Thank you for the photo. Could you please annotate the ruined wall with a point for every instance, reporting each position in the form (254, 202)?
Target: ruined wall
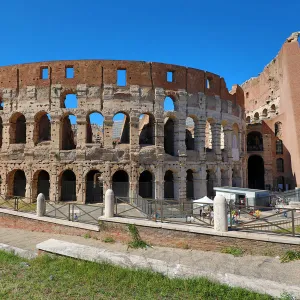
(197, 94)
(274, 96)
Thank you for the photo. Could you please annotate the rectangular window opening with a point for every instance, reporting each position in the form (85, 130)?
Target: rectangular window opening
(170, 76)
(69, 72)
(121, 77)
(44, 73)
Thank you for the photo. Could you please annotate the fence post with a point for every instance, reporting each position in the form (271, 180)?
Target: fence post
(220, 214)
(109, 204)
(293, 222)
(40, 205)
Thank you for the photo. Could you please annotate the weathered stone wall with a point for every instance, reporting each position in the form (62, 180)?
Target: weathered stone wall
(274, 97)
(195, 93)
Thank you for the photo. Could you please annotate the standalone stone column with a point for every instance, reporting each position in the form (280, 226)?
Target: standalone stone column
(109, 204)
(40, 205)
(220, 214)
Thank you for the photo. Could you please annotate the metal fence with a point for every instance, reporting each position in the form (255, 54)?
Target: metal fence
(18, 203)
(264, 219)
(82, 213)
(162, 210)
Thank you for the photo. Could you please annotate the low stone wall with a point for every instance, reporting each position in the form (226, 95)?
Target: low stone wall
(153, 236)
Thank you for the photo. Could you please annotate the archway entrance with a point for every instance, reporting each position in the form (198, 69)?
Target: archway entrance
(120, 183)
(94, 190)
(169, 185)
(19, 184)
(68, 186)
(146, 185)
(43, 184)
(256, 172)
(189, 184)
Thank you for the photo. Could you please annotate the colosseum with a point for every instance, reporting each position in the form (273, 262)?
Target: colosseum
(178, 133)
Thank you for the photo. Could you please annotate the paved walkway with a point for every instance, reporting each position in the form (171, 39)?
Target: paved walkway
(269, 271)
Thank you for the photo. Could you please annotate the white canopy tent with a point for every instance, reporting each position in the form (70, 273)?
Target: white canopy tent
(204, 200)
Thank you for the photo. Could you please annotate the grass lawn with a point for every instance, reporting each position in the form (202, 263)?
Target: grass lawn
(64, 278)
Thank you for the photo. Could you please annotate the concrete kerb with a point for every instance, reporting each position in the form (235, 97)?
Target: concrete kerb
(161, 266)
(18, 251)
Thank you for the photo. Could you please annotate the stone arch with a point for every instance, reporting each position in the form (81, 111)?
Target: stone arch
(69, 132)
(255, 141)
(190, 194)
(17, 129)
(69, 99)
(169, 185)
(273, 108)
(16, 183)
(94, 128)
(41, 184)
(248, 119)
(190, 133)
(146, 186)
(169, 103)
(256, 172)
(146, 129)
(68, 186)
(120, 183)
(210, 182)
(121, 128)
(169, 136)
(94, 187)
(256, 116)
(42, 127)
(265, 113)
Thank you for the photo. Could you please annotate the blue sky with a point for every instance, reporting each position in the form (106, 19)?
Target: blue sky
(234, 39)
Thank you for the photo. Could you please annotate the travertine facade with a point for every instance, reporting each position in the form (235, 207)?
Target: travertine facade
(272, 103)
(156, 156)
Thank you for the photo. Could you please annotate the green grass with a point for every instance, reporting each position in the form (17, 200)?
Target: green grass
(233, 250)
(290, 255)
(64, 278)
(108, 239)
(288, 230)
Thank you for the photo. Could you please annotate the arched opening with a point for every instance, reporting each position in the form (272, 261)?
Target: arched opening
(120, 183)
(68, 186)
(280, 183)
(256, 172)
(169, 104)
(18, 129)
(265, 113)
(146, 185)
(42, 130)
(146, 129)
(273, 108)
(69, 132)
(224, 178)
(121, 129)
(169, 185)
(279, 147)
(278, 129)
(94, 187)
(256, 116)
(70, 101)
(43, 184)
(248, 119)
(94, 128)
(19, 184)
(210, 183)
(189, 184)
(189, 134)
(255, 141)
(208, 137)
(280, 165)
(1, 104)
(169, 130)
(1, 132)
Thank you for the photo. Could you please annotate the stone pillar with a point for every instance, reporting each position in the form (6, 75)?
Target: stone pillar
(181, 117)
(5, 136)
(201, 132)
(203, 181)
(216, 139)
(230, 175)
(182, 179)
(228, 142)
(134, 182)
(197, 185)
(159, 132)
(41, 205)
(29, 134)
(55, 188)
(56, 136)
(134, 133)
(81, 133)
(159, 182)
(108, 124)
(177, 186)
(109, 204)
(220, 214)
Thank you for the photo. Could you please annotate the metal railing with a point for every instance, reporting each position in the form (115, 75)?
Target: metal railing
(162, 210)
(83, 213)
(18, 203)
(264, 219)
